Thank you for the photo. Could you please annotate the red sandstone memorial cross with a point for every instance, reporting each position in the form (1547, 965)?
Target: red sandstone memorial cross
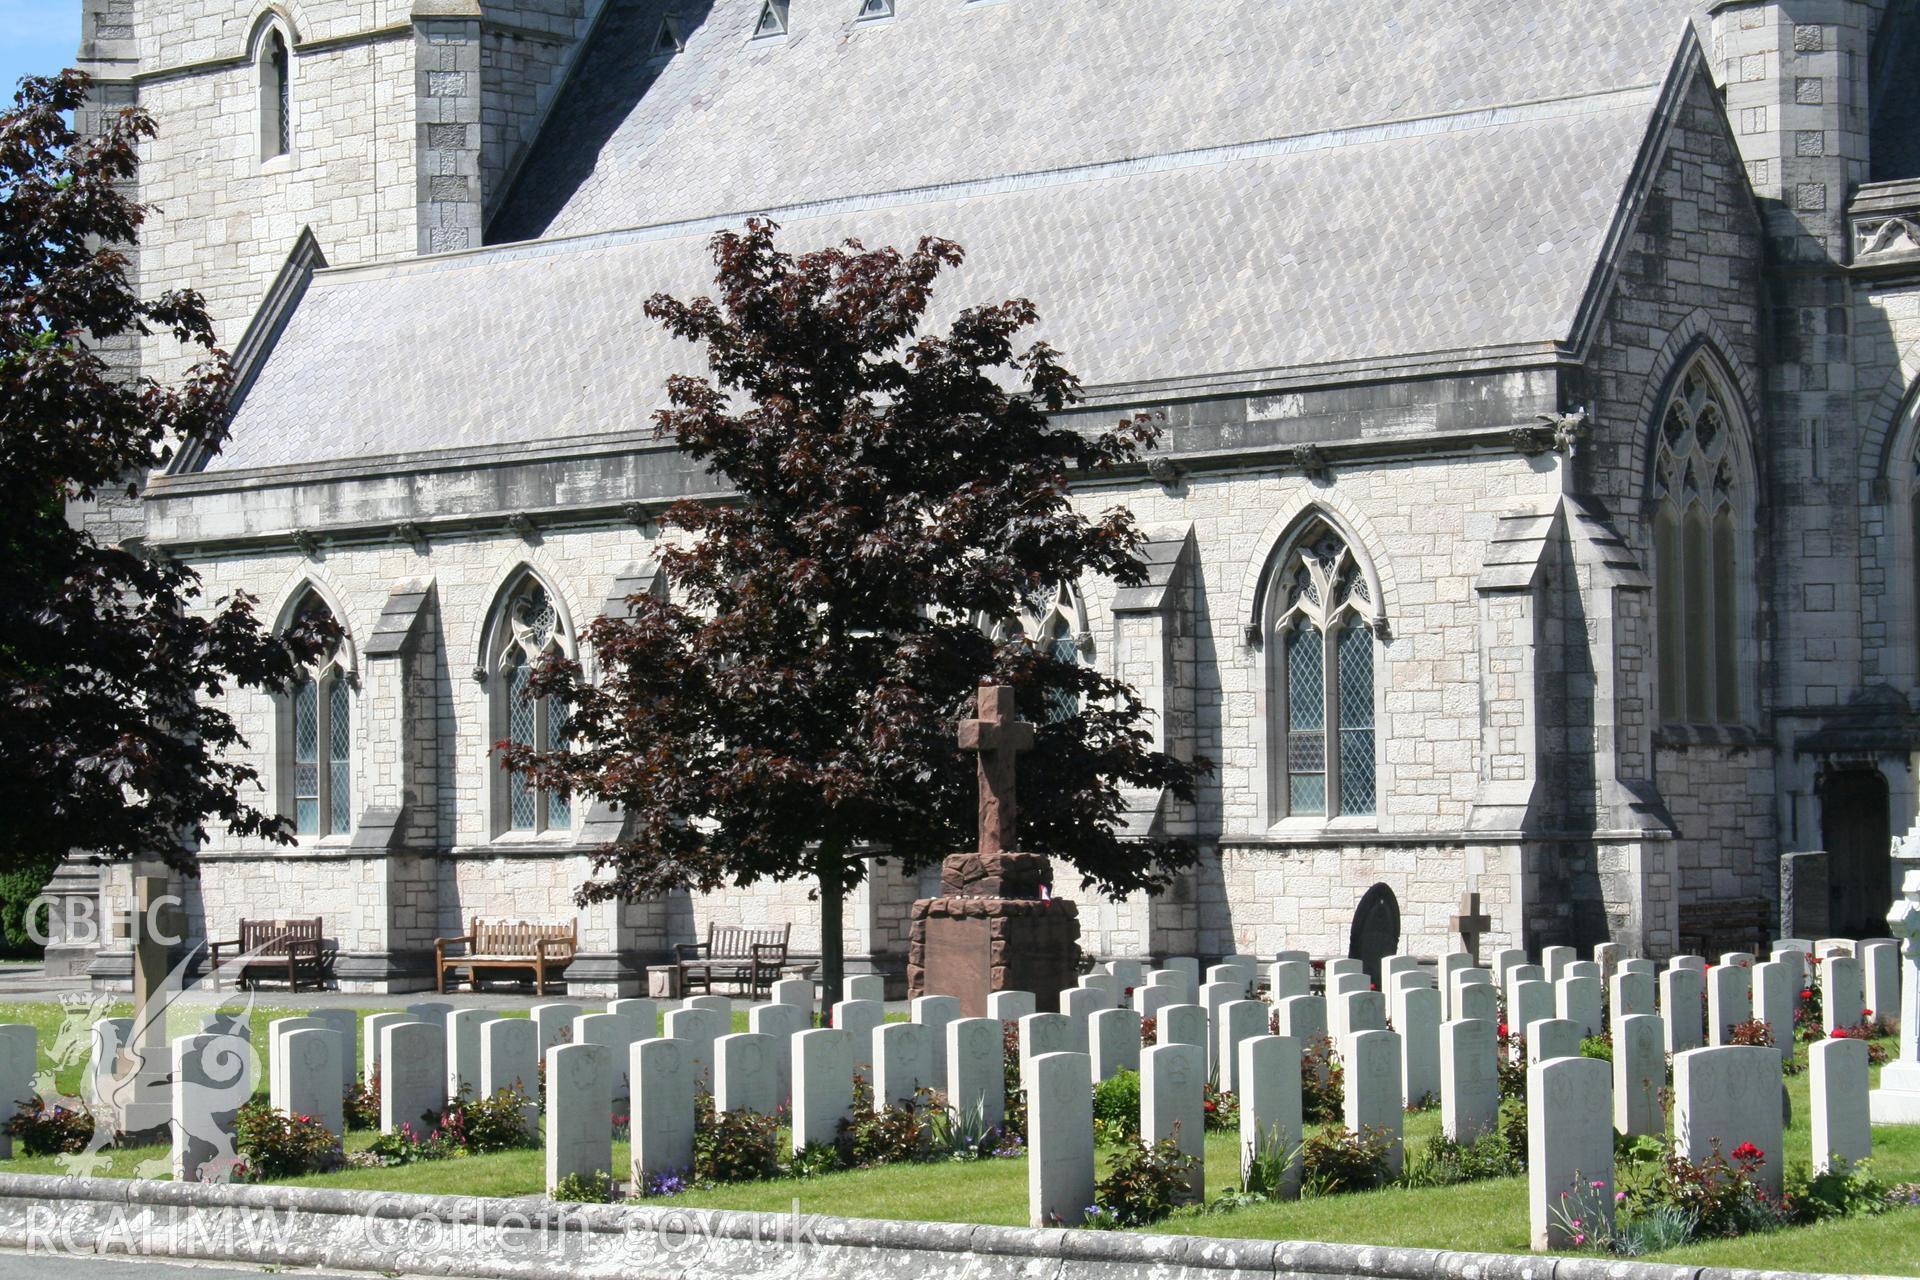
(998, 738)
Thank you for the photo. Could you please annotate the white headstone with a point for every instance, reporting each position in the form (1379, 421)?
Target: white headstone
(1304, 957)
(1880, 977)
(797, 992)
(1343, 966)
(1553, 1038)
(1113, 1042)
(1837, 1090)
(213, 1075)
(1607, 956)
(1469, 1079)
(1044, 1033)
(1078, 1006)
(1842, 996)
(1795, 961)
(277, 1030)
(866, 986)
(1639, 1074)
(1451, 963)
(1725, 1096)
(1773, 995)
(371, 1028)
(579, 1111)
(1289, 978)
(1696, 963)
(1523, 973)
(1362, 1011)
(666, 1075)
(1339, 987)
(719, 1006)
(1304, 1018)
(1681, 990)
(698, 1029)
(1580, 1000)
(510, 1060)
(1187, 967)
(413, 1075)
(1173, 1095)
(19, 1060)
(1737, 959)
(1530, 1002)
(1238, 1020)
(1215, 996)
(307, 1076)
(1130, 972)
(1148, 1001)
(106, 1037)
(976, 1069)
(463, 1050)
(1729, 1001)
(822, 1066)
(614, 1034)
(1569, 1146)
(1477, 1002)
(1226, 973)
(1395, 965)
(1059, 1139)
(1824, 947)
(858, 1018)
(1632, 992)
(1107, 985)
(744, 1076)
(1416, 1016)
(903, 1061)
(553, 1023)
(1182, 1024)
(1373, 1088)
(1505, 961)
(434, 1011)
(644, 1014)
(1010, 1006)
(1268, 1074)
(781, 1022)
(1635, 964)
(1555, 961)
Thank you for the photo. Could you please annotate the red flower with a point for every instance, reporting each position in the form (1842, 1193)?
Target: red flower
(1746, 1151)
(1212, 1106)
(1502, 1031)
(1839, 1033)
(1806, 995)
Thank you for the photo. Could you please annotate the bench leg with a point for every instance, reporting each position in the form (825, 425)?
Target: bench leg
(440, 984)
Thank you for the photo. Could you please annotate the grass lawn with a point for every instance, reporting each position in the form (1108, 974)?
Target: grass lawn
(1483, 1216)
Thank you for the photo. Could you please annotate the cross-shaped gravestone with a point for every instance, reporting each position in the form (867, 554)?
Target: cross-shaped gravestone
(1471, 924)
(998, 738)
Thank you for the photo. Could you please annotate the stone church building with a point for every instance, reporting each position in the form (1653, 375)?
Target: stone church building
(1536, 510)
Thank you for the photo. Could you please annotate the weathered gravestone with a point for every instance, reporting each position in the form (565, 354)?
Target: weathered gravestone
(510, 1063)
(797, 992)
(579, 1112)
(1373, 1089)
(212, 1078)
(371, 1028)
(1806, 895)
(19, 1060)
(1880, 977)
(305, 1077)
(1842, 996)
(1009, 1006)
(665, 1075)
(976, 1070)
(463, 1050)
(903, 1061)
(1578, 999)
(1631, 993)
(1729, 1001)
(822, 1066)
(744, 1077)
(1078, 1006)
(1555, 960)
(1239, 1020)
(413, 1074)
(1113, 1042)
(1416, 1016)
(1639, 1074)
(698, 1029)
(1724, 1097)
(781, 1023)
(1552, 1038)
(1289, 978)
(994, 927)
(553, 1023)
(858, 1018)
(865, 986)
(934, 1013)
(1569, 1147)
(615, 1034)
(1059, 1139)
(1773, 996)
(1183, 1024)
(1837, 1093)
(1268, 1073)
(1681, 990)
(1469, 1079)
(1173, 1080)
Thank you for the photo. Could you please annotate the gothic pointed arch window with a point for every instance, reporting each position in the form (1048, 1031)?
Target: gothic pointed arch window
(1699, 493)
(275, 68)
(317, 730)
(1057, 626)
(528, 629)
(1320, 641)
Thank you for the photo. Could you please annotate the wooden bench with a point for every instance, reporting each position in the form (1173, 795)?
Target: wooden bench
(546, 949)
(285, 948)
(748, 958)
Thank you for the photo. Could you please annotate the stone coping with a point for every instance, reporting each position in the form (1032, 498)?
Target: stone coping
(531, 1238)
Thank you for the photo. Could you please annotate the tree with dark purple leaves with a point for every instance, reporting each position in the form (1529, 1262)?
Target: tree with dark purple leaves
(788, 709)
(112, 739)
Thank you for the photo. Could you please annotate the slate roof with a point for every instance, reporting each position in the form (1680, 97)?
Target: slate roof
(1279, 185)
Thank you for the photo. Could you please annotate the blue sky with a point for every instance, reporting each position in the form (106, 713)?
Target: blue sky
(37, 38)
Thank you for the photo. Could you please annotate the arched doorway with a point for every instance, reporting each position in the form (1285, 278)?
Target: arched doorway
(1855, 829)
(1376, 929)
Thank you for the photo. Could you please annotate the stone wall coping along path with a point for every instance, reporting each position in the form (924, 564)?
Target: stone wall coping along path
(490, 1237)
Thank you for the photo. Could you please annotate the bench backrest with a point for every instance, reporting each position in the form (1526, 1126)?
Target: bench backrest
(270, 937)
(734, 942)
(518, 937)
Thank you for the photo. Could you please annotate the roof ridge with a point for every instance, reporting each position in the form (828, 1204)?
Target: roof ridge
(1326, 139)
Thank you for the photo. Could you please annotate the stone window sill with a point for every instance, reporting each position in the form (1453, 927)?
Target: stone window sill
(1682, 736)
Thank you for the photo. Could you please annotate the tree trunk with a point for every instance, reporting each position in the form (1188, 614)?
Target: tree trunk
(833, 949)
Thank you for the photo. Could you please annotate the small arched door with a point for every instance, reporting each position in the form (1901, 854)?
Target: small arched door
(1858, 836)
(1376, 929)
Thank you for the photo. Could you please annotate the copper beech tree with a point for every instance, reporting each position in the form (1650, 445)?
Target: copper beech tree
(111, 736)
(788, 709)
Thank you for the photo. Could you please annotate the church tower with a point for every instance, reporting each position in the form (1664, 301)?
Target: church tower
(386, 130)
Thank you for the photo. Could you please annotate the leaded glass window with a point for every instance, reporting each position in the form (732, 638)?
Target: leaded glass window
(1697, 554)
(530, 631)
(1323, 665)
(320, 731)
(276, 96)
